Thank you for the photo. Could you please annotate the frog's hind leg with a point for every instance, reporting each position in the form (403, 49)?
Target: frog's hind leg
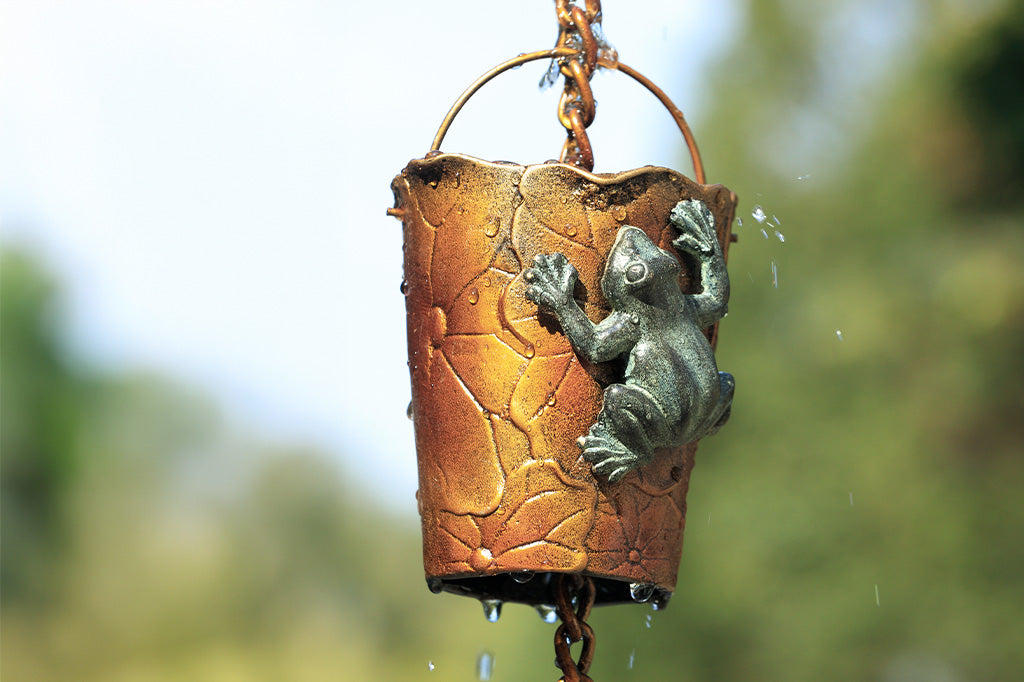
(630, 426)
(724, 407)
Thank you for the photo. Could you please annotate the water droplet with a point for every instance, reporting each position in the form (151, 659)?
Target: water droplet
(570, 230)
(632, 656)
(492, 609)
(641, 592)
(878, 601)
(839, 334)
(430, 665)
(851, 498)
(781, 237)
(775, 275)
(404, 287)
(803, 177)
(484, 665)
(474, 296)
(486, 281)
(547, 613)
(435, 585)
(759, 214)
(408, 411)
(739, 222)
(647, 621)
(619, 213)
(529, 350)
(552, 400)
(523, 577)
(764, 233)
(634, 318)
(491, 228)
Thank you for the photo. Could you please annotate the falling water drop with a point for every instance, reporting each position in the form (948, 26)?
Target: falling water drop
(839, 334)
(775, 219)
(492, 609)
(759, 214)
(781, 237)
(641, 592)
(764, 233)
(547, 613)
(647, 621)
(404, 287)
(878, 601)
(474, 296)
(632, 656)
(523, 577)
(739, 222)
(430, 665)
(775, 275)
(484, 665)
(851, 498)
(803, 177)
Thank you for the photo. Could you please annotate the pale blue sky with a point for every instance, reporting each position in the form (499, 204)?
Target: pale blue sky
(209, 179)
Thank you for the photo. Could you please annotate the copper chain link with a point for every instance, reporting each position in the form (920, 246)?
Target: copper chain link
(577, 107)
(574, 627)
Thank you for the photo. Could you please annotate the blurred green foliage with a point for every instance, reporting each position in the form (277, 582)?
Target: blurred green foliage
(859, 519)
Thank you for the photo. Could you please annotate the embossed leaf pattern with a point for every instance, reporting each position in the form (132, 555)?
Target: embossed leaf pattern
(541, 524)
(499, 396)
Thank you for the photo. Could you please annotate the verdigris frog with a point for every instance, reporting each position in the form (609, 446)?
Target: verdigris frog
(672, 391)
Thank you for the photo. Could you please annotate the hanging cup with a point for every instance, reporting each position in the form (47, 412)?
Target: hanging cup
(500, 398)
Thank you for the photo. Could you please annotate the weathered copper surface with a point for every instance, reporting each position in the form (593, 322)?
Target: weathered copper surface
(499, 396)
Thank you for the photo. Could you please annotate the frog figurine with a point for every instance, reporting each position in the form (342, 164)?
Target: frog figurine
(672, 391)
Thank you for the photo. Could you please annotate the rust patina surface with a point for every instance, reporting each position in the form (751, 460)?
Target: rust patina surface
(499, 396)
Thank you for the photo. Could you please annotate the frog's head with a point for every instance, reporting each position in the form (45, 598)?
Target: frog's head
(635, 268)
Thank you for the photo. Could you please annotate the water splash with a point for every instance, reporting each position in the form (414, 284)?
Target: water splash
(641, 592)
(492, 609)
(547, 613)
(484, 665)
(759, 214)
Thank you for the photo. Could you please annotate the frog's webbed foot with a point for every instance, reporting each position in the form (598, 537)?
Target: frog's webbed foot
(552, 279)
(631, 425)
(696, 226)
(607, 453)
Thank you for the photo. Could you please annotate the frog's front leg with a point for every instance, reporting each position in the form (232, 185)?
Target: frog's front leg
(698, 237)
(552, 279)
(628, 429)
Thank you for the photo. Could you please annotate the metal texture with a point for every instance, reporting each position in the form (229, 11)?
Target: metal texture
(574, 627)
(577, 107)
(556, 53)
(499, 395)
(671, 392)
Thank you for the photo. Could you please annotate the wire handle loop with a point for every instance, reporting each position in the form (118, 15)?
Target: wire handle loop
(559, 53)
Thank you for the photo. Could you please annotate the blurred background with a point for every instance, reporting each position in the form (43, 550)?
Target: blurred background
(207, 470)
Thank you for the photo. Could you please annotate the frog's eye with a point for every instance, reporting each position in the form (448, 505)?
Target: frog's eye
(636, 272)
